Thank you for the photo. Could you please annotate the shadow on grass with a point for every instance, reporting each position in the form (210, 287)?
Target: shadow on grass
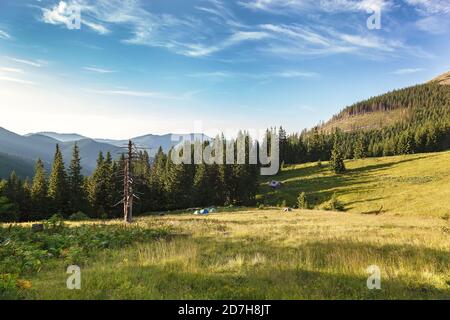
(320, 184)
(311, 271)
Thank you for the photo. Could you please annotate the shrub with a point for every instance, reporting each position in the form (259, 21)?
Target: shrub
(55, 223)
(334, 204)
(78, 216)
(8, 287)
(302, 202)
(23, 251)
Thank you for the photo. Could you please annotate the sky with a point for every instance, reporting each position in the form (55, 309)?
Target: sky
(124, 68)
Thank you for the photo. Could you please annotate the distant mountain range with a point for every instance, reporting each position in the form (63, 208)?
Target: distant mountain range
(19, 152)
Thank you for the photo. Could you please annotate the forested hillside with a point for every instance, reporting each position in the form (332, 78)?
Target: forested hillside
(421, 123)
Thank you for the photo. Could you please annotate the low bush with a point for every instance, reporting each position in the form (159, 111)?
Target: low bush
(334, 204)
(78, 216)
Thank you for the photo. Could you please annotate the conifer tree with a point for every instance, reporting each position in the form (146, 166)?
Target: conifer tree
(337, 159)
(203, 189)
(101, 190)
(57, 185)
(360, 148)
(156, 184)
(39, 191)
(77, 196)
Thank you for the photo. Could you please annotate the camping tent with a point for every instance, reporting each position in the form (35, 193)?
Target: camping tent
(275, 184)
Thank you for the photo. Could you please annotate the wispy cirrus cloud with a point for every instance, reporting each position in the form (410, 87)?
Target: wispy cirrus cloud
(11, 70)
(431, 6)
(97, 69)
(32, 63)
(406, 71)
(4, 35)
(130, 93)
(8, 78)
(219, 28)
(224, 75)
(434, 15)
(303, 6)
(127, 93)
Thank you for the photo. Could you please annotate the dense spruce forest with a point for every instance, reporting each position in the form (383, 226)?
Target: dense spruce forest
(427, 128)
(160, 185)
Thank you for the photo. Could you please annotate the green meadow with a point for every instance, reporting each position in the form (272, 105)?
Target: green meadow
(397, 217)
(409, 185)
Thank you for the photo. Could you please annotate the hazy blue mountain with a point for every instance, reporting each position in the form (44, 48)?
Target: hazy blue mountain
(23, 167)
(152, 142)
(63, 137)
(19, 152)
(31, 147)
(34, 146)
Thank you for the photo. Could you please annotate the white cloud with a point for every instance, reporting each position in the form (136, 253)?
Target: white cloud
(95, 26)
(219, 28)
(434, 15)
(296, 74)
(223, 75)
(97, 70)
(15, 80)
(11, 70)
(302, 6)
(431, 6)
(128, 93)
(213, 74)
(296, 39)
(62, 14)
(407, 71)
(4, 35)
(36, 64)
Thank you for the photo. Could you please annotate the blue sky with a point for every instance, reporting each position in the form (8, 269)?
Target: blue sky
(157, 66)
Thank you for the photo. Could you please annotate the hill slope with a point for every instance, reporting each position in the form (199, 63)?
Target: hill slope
(443, 79)
(23, 168)
(35, 146)
(392, 107)
(409, 185)
(63, 137)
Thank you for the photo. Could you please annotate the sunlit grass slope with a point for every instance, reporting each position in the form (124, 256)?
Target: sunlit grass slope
(409, 185)
(268, 254)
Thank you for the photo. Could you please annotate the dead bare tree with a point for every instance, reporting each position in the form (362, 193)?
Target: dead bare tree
(128, 179)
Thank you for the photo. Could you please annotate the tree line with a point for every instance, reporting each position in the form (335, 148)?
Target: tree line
(160, 184)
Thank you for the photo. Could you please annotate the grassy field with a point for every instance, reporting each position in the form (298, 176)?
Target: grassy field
(407, 185)
(268, 254)
(248, 253)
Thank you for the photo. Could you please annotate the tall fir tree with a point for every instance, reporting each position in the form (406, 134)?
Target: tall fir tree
(337, 159)
(101, 189)
(39, 191)
(359, 151)
(57, 185)
(77, 195)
